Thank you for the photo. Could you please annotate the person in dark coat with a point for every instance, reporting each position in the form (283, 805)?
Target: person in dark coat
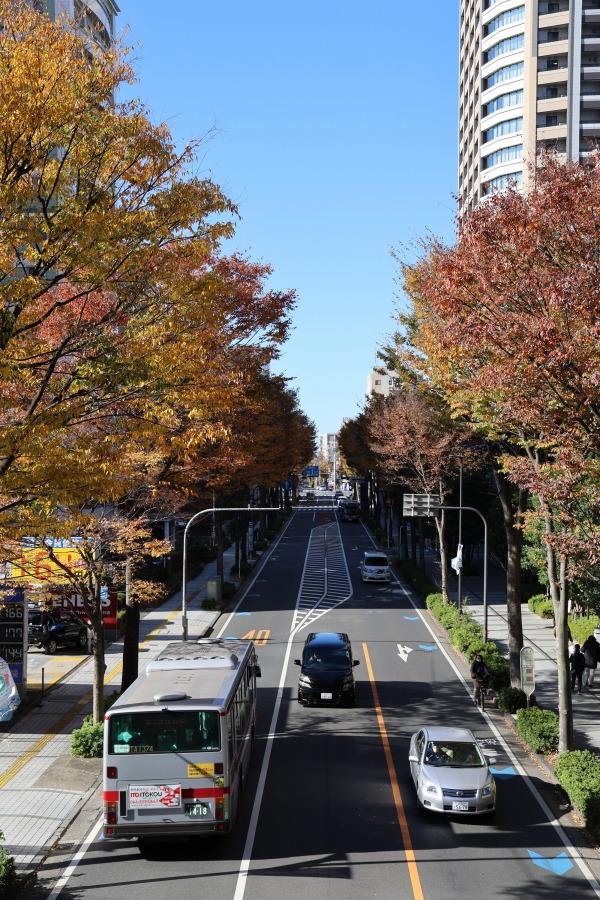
(591, 653)
(577, 663)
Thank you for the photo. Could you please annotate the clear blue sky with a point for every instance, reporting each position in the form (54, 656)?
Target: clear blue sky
(337, 138)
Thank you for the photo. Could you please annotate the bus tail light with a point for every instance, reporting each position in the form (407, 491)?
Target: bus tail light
(218, 768)
(110, 813)
(219, 809)
(111, 772)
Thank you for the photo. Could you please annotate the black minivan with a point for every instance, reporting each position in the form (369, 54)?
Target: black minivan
(326, 669)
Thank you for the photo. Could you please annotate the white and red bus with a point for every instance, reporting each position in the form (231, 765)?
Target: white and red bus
(178, 741)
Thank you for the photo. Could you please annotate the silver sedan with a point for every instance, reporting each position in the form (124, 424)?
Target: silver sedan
(450, 772)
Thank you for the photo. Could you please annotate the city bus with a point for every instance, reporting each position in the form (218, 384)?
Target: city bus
(178, 742)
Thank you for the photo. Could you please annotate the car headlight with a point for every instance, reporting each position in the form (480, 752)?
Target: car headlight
(488, 790)
(430, 787)
(305, 680)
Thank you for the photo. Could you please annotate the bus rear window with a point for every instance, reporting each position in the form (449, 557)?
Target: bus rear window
(164, 732)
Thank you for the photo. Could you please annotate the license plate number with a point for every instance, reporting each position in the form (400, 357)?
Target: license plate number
(460, 807)
(327, 696)
(197, 810)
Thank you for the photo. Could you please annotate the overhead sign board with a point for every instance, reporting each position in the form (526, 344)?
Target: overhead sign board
(310, 472)
(422, 505)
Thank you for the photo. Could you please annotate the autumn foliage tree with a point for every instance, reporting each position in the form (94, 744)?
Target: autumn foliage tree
(509, 323)
(128, 339)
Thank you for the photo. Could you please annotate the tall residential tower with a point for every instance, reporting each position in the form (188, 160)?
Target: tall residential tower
(529, 79)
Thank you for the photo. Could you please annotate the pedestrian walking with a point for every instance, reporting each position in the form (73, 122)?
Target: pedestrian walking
(591, 653)
(577, 664)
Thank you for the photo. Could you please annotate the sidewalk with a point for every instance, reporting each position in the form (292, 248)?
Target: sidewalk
(539, 635)
(35, 760)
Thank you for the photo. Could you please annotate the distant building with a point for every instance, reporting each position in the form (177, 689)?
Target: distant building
(328, 446)
(529, 79)
(381, 381)
(95, 18)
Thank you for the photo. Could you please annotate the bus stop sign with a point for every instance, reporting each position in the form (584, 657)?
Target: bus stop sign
(527, 672)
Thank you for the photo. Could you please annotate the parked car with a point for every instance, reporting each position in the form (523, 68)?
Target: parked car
(450, 773)
(310, 495)
(375, 567)
(350, 511)
(326, 669)
(52, 628)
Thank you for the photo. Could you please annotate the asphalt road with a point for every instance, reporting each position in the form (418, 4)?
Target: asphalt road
(329, 810)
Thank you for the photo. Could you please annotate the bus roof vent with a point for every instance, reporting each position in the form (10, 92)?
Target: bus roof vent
(167, 698)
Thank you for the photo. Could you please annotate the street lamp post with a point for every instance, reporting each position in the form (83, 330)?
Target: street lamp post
(189, 523)
(485, 563)
(460, 503)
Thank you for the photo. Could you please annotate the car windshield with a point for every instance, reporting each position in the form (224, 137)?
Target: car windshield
(376, 561)
(458, 754)
(330, 658)
(35, 618)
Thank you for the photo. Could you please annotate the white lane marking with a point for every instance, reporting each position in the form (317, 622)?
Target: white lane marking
(59, 885)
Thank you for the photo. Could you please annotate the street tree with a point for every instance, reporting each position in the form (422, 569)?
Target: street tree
(509, 321)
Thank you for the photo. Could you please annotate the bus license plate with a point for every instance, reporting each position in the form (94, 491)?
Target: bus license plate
(460, 807)
(197, 810)
(327, 696)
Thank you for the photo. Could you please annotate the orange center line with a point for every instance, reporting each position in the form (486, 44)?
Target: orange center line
(406, 841)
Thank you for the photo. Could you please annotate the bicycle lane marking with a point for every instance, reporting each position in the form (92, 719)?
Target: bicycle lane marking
(405, 834)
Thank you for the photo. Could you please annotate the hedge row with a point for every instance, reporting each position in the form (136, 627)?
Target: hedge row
(541, 606)
(7, 871)
(466, 635)
(579, 773)
(88, 741)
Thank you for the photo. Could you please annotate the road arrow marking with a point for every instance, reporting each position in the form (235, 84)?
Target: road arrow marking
(560, 865)
(411, 618)
(509, 772)
(403, 652)
(428, 647)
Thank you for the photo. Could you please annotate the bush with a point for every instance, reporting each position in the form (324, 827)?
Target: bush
(511, 699)
(7, 871)
(88, 740)
(242, 569)
(228, 590)
(211, 603)
(582, 628)
(579, 773)
(539, 727)
(541, 606)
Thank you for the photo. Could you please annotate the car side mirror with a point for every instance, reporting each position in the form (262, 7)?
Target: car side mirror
(413, 758)
(297, 662)
(492, 761)
(356, 662)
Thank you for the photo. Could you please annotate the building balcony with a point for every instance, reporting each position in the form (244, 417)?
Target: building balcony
(591, 16)
(554, 20)
(551, 132)
(591, 43)
(553, 48)
(590, 101)
(553, 76)
(590, 73)
(589, 129)
(552, 104)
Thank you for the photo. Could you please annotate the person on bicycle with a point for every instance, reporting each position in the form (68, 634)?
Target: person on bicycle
(479, 675)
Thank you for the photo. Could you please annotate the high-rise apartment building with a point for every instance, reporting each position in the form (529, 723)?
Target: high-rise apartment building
(95, 18)
(529, 79)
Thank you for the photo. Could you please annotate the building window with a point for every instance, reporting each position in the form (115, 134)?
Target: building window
(508, 45)
(510, 126)
(551, 120)
(552, 36)
(552, 63)
(506, 18)
(502, 182)
(514, 98)
(506, 73)
(504, 155)
(551, 92)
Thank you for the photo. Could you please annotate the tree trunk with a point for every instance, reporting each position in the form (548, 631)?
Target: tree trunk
(440, 524)
(131, 638)
(557, 571)
(514, 545)
(97, 625)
